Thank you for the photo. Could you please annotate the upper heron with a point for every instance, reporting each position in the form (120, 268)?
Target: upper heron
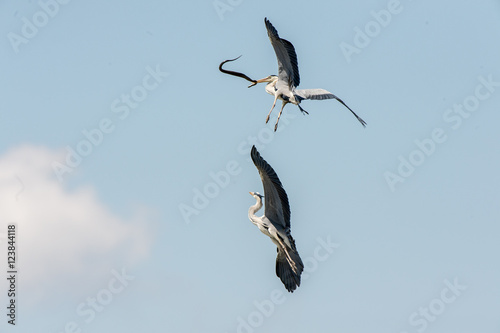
(275, 223)
(284, 85)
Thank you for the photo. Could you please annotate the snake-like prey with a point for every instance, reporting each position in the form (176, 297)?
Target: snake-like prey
(254, 82)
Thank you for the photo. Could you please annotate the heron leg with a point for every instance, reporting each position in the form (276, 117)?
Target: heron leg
(279, 115)
(279, 242)
(289, 259)
(275, 99)
(304, 112)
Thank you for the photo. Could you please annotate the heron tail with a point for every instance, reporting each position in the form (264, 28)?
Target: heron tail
(289, 267)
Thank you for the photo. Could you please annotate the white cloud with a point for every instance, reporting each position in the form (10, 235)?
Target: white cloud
(68, 242)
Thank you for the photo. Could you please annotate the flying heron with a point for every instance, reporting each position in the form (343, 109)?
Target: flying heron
(283, 86)
(275, 223)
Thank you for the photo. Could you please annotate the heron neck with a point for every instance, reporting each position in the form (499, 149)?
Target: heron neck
(254, 209)
(270, 88)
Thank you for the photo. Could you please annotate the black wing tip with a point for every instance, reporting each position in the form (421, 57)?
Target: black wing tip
(354, 113)
(360, 120)
(258, 160)
(270, 28)
(254, 154)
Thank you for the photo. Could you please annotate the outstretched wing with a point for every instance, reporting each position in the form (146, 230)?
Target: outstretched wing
(314, 94)
(320, 94)
(277, 208)
(288, 68)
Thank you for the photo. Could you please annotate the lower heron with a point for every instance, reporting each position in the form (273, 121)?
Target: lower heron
(275, 223)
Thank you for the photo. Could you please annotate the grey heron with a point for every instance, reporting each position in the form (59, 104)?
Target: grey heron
(275, 223)
(283, 86)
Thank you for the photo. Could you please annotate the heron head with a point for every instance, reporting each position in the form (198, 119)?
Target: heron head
(269, 78)
(256, 195)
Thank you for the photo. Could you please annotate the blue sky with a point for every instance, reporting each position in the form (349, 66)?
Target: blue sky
(147, 228)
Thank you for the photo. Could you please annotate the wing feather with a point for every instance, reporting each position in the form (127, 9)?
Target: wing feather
(277, 208)
(288, 67)
(319, 94)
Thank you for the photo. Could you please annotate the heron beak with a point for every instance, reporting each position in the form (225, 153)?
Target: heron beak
(266, 79)
(250, 193)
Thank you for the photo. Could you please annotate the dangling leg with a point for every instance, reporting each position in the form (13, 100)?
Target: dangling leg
(301, 109)
(276, 240)
(275, 99)
(279, 115)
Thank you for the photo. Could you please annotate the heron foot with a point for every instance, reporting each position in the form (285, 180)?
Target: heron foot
(304, 112)
(267, 119)
(275, 127)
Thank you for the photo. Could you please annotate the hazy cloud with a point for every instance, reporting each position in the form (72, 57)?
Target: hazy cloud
(67, 239)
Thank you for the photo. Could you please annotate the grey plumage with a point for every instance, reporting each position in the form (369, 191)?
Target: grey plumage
(275, 223)
(288, 66)
(283, 86)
